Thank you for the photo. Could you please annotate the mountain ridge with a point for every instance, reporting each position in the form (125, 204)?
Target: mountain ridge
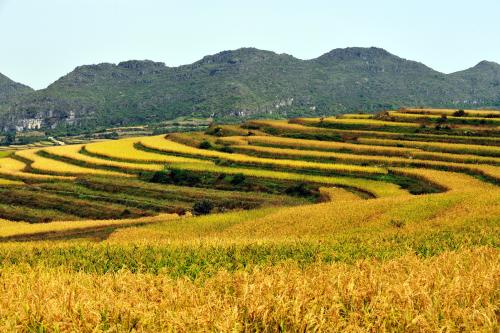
(247, 82)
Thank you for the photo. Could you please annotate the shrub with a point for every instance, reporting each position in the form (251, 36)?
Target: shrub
(459, 113)
(299, 190)
(202, 207)
(184, 177)
(238, 179)
(442, 119)
(205, 145)
(226, 149)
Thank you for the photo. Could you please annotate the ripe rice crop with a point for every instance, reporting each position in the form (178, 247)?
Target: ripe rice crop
(354, 122)
(437, 146)
(481, 169)
(320, 145)
(162, 144)
(317, 252)
(355, 116)
(287, 129)
(402, 116)
(453, 181)
(9, 182)
(13, 168)
(405, 294)
(50, 166)
(73, 153)
(449, 112)
(124, 149)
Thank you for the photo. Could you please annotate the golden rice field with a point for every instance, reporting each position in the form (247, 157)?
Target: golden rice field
(351, 223)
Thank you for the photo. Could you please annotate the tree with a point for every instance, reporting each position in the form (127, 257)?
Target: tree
(9, 138)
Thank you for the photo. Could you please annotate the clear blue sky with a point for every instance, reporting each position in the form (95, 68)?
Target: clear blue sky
(41, 40)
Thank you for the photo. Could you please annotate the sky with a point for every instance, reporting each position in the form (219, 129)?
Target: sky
(42, 40)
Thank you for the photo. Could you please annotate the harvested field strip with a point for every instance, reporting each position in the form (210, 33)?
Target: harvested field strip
(437, 146)
(336, 194)
(377, 188)
(9, 229)
(32, 197)
(164, 145)
(164, 198)
(28, 214)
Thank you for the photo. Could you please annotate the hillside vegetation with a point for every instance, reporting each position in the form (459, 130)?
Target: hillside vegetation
(384, 222)
(246, 83)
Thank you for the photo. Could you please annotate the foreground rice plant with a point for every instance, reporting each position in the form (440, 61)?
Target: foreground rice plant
(406, 294)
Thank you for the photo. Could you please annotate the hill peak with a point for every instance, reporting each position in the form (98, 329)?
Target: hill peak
(363, 53)
(487, 64)
(246, 54)
(141, 64)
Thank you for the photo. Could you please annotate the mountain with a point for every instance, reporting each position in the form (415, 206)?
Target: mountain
(247, 83)
(10, 90)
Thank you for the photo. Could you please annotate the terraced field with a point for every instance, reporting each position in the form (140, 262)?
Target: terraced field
(385, 222)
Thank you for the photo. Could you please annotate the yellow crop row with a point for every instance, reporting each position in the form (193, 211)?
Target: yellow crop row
(287, 126)
(360, 149)
(448, 112)
(453, 181)
(361, 122)
(162, 144)
(416, 116)
(51, 166)
(487, 170)
(124, 149)
(4, 181)
(456, 148)
(355, 116)
(73, 153)
(320, 145)
(292, 128)
(14, 168)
